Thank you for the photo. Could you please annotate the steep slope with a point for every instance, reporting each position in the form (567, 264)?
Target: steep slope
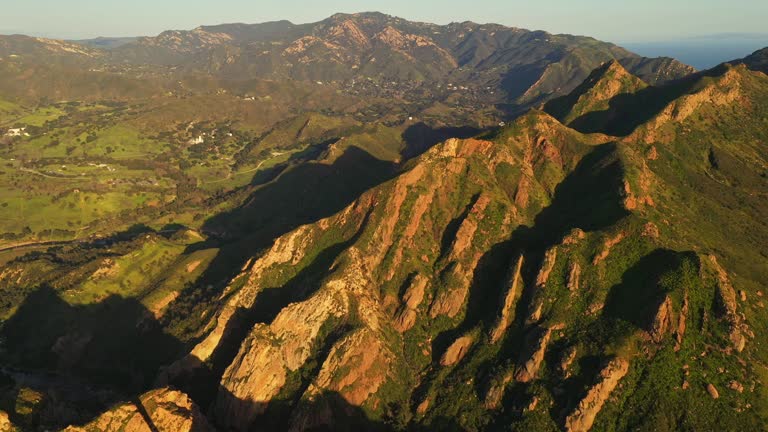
(535, 277)
(757, 61)
(158, 410)
(554, 274)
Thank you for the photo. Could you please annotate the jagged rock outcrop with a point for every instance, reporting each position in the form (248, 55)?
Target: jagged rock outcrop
(533, 354)
(535, 307)
(724, 91)
(451, 301)
(574, 277)
(662, 321)
(405, 317)
(567, 360)
(727, 298)
(271, 352)
(550, 258)
(583, 417)
(356, 367)
(495, 392)
(682, 321)
(457, 350)
(5, 423)
(162, 410)
(508, 302)
(381, 228)
(607, 246)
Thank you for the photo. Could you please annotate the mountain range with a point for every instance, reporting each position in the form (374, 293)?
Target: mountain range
(373, 224)
(500, 64)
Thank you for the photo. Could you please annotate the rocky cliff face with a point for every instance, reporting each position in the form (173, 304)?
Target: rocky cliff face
(159, 410)
(532, 278)
(582, 419)
(5, 423)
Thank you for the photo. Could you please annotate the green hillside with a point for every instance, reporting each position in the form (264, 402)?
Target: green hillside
(484, 229)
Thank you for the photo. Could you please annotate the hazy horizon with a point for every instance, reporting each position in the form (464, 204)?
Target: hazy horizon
(678, 32)
(648, 21)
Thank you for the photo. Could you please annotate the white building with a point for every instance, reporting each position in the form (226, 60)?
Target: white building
(17, 132)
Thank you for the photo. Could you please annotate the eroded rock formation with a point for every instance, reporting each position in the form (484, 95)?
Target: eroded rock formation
(583, 417)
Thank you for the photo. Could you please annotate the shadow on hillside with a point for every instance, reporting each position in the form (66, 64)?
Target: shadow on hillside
(420, 137)
(517, 81)
(205, 378)
(485, 292)
(300, 195)
(627, 111)
(83, 357)
(636, 299)
(590, 198)
(325, 412)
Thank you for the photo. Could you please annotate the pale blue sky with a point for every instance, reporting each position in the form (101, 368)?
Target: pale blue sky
(612, 20)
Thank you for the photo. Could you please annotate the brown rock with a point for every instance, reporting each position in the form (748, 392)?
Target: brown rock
(727, 298)
(423, 406)
(550, 258)
(651, 230)
(681, 323)
(567, 360)
(193, 265)
(582, 418)
(653, 154)
(457, 350)
(508, 305)
(532, 405)
(535, 310)
(574, 236)
(5, 423)
(662, 321)
(261, 367)
(168, 410)
(523, 191)
(736, 386)
(594, 308)
(451, 301)
(468, 227)
(712, 391)
(405, 317)
(607, 246)
(574, 276)
(355, 368)
(496, 390)
(532, 355)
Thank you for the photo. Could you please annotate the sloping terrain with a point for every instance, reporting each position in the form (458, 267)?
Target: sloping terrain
(578, 282)
(533, 278)
(287, 261)
(757, 61)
